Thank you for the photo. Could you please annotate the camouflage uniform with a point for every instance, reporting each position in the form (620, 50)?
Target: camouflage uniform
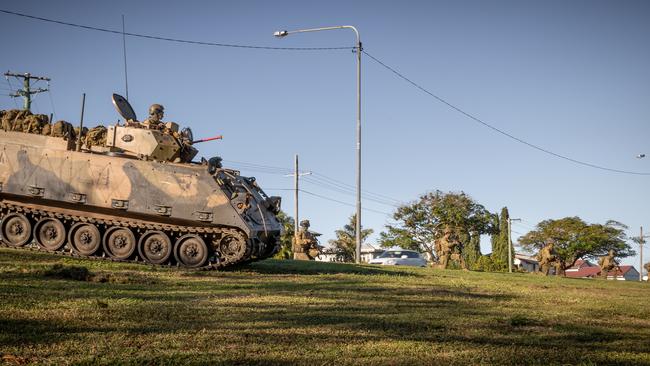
(34, 123)
(63, 129)
(548, 259)
(156, 114)
(306, 246)
(449, 247)
(608, 263)
(96, 136)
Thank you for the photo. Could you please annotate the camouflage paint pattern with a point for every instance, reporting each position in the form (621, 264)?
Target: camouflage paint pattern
(46, 170)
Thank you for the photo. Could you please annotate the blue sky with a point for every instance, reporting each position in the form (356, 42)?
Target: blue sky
(571, 77)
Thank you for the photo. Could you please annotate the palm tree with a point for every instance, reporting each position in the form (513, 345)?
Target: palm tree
(344, 245)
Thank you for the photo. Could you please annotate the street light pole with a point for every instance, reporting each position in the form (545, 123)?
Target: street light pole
(641, 242)
(510, 243)
(359, 48)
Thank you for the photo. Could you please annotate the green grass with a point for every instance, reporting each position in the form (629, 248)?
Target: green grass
(289, 312)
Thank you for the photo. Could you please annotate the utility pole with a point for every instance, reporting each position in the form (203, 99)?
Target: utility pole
(510, 243)
(26, 92)
(296, 176)
(641, 242)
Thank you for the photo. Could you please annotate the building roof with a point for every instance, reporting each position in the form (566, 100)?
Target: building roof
(582, 272)
(582, 263)
(586, 269)
(623, 271)
(526, 258)
(369, 248)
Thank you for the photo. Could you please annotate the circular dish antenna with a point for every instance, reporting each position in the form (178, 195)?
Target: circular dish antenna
(123, 108)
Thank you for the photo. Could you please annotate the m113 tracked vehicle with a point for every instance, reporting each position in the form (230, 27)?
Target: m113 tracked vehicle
(134, 196)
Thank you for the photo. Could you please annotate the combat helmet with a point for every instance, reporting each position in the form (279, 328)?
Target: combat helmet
(156, 110)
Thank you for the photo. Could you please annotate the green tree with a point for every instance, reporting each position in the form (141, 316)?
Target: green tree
(473, 249)
(344, 246)
(494, 235)
(418, 224)
(575, 239)
(500, 241)
(286, 239)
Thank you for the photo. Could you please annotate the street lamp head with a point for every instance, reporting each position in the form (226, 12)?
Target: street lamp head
(280, 34)
(640, 156)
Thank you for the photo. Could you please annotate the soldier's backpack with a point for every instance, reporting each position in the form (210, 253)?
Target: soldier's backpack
(96, 136)
(63, 129)
(8, 119)
(34, 123)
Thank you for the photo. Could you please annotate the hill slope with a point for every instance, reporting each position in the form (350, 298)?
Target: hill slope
(287, 312)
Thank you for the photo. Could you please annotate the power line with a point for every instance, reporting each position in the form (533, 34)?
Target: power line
(523, 226)
(326, 198)
(338, 182)
(12, 89)
(318, 179)
(347, 192)
(343, 203)
(476, 119)
(49, 93)
(168, 39)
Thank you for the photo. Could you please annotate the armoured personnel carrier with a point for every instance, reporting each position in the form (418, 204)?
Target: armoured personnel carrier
(134, 196)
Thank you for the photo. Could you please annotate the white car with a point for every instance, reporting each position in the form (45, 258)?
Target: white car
(400, 258)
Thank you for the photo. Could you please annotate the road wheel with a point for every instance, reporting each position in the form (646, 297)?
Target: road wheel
(190, 251)
(85, 238)
(119, 243)
(16, 229)
(49, 233)
(232, 247)
(155, 247)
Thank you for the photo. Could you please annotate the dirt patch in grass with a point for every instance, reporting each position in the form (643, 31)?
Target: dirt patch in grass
(79, 273)
(60, 271)
(522, 321)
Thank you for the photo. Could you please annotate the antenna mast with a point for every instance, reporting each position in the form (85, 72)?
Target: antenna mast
(26, 92)
(126, 76)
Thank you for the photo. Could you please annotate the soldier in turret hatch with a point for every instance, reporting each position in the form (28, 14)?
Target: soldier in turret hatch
(156, 114)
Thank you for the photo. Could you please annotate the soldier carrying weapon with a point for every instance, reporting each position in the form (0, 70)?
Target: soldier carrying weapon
(305, 246)
(548, 259)
(608, 264)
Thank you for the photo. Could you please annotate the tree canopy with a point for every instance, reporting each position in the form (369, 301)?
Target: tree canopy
(575, 239)
(344, 246)
(418, 224)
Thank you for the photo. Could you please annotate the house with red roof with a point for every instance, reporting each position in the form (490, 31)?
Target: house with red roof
(624, 273)
(583, 269)
(586, 269)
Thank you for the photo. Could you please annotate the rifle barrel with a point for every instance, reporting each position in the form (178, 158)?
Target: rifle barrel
(220, 137)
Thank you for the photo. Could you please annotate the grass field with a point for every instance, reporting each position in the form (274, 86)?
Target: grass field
(288, 312)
